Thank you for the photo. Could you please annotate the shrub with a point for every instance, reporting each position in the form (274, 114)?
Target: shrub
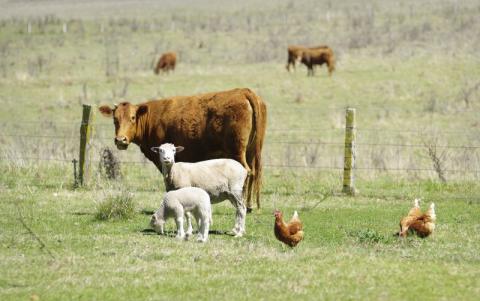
(368, 236)
(120, 206)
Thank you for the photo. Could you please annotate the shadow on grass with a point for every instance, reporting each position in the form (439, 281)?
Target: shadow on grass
(147, 212)
(171, 233)
(80, 213)
(218, 213)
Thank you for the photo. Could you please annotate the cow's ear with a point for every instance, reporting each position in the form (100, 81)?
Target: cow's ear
(179, 148)
(155, 149)
(142, 109)
(106, 111)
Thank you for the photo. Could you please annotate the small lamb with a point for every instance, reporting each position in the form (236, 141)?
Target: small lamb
(183, 202)
(222, 179)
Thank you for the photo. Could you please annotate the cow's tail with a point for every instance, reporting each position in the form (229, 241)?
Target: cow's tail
(254, 149)
(331, 62)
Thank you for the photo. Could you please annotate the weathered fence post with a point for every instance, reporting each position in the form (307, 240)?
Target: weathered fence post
(85, 132)
(349, 161)
(75, 176)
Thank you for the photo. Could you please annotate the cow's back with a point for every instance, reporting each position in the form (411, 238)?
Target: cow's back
(203, 124)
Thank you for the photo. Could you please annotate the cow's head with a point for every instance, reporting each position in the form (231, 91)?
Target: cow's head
(125, 117)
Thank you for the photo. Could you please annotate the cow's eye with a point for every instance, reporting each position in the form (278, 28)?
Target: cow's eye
(133, 118)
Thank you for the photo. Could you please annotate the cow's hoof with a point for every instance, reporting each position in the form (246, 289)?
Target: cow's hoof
(249, 210)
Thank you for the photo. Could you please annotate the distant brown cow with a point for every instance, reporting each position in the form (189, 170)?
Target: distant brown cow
(166, 62)
(228, 124)
(295, 54)
(312, 57)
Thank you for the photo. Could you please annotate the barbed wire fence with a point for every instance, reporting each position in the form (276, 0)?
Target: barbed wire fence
(294, 149)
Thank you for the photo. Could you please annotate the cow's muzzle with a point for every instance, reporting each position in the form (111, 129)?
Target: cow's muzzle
(121, 142)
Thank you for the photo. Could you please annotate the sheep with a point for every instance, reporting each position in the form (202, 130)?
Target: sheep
(221, 178)
(185, 201)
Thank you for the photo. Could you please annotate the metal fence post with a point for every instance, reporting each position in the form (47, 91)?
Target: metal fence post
(85, 133)
(349, 161)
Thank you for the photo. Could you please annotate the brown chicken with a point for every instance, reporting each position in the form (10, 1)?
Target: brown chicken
(290, 234)
(417, 222)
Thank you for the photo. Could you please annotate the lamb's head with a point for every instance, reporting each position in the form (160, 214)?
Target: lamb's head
(157, 224)
(167, 152)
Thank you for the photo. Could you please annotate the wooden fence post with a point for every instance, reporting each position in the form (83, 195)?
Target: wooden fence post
(349, 161)
(85, 132)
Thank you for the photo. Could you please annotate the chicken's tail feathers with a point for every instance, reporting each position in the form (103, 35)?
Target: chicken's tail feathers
(416, 203)
(431, 209)
(295, 214)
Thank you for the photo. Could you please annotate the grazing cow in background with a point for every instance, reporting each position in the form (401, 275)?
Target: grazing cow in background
(312, 57)
(295, 54)
(167, 62)
(229, 124)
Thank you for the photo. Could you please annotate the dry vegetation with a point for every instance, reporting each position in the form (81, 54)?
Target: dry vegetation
(410, 68)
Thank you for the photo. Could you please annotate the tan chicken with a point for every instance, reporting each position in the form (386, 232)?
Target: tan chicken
(417, 222)
(290, 234)
(413, 214)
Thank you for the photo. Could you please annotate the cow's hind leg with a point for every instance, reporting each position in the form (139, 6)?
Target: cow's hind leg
(240, 155)
(248, 192)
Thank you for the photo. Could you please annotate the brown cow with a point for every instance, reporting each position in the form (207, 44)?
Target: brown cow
(312, 57)
(166, 62)
(295, 54)
(228, 124)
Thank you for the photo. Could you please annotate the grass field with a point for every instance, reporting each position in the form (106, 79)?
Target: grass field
(410, 68)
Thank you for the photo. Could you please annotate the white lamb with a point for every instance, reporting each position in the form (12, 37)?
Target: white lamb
(221, 178)
(183, 202)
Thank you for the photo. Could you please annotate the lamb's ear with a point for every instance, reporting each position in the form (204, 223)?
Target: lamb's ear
(142, 109)
(179, 148)
(106, 111)
(155, 149)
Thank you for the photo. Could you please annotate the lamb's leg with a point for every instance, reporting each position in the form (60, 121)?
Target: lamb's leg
(189, 232)
(180, 231)
(241, 212)
(204, 226)
(199, 226)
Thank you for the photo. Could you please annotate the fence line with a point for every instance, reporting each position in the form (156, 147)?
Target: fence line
(41, 136)
(293, 130)
(461, 132)
(386, 169)
(271, 142)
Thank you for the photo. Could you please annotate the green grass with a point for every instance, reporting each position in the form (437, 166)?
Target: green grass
(405, 66)
(119, 206)
(349, 251)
